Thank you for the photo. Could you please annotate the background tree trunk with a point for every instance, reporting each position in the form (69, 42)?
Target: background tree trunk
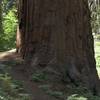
(1, 27)
(58, 33)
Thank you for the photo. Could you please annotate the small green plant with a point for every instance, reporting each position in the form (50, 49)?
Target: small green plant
(39, 77)
(45, 87)
(57, 94)
(6, 83)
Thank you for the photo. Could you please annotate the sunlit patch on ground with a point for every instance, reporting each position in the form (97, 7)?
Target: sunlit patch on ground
(11, 54)
(97, 55)
(3, 54)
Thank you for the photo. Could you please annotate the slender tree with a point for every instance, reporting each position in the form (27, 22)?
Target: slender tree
(58, 32)
(1, 27)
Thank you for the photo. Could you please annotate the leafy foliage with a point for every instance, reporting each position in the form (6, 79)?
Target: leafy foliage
(7, 38)
(95, 22)
(10, 23)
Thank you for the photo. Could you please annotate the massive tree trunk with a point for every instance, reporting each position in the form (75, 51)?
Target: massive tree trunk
(58, 33)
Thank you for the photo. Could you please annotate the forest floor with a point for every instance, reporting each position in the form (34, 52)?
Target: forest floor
(17, 72)
(37, 85)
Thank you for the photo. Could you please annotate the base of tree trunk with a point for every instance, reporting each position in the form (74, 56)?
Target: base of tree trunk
(75, 70)
(57, 34)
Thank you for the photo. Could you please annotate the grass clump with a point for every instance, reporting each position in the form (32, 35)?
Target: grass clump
(39, 77)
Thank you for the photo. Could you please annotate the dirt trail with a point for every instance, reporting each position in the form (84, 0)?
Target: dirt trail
(30, 87)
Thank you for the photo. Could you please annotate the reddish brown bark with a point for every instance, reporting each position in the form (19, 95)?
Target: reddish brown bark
(58, 32)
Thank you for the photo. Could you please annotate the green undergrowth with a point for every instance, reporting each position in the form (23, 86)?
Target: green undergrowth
(39, 77)
(8, 36)
(70, 92)
(81, 93)
(11, 89)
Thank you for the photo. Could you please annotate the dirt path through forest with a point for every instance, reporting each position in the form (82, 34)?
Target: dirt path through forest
(30, 86)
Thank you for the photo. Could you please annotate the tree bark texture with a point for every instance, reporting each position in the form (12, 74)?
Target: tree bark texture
(58, 33)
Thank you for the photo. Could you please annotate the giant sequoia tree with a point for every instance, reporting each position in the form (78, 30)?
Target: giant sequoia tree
(58, 33)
